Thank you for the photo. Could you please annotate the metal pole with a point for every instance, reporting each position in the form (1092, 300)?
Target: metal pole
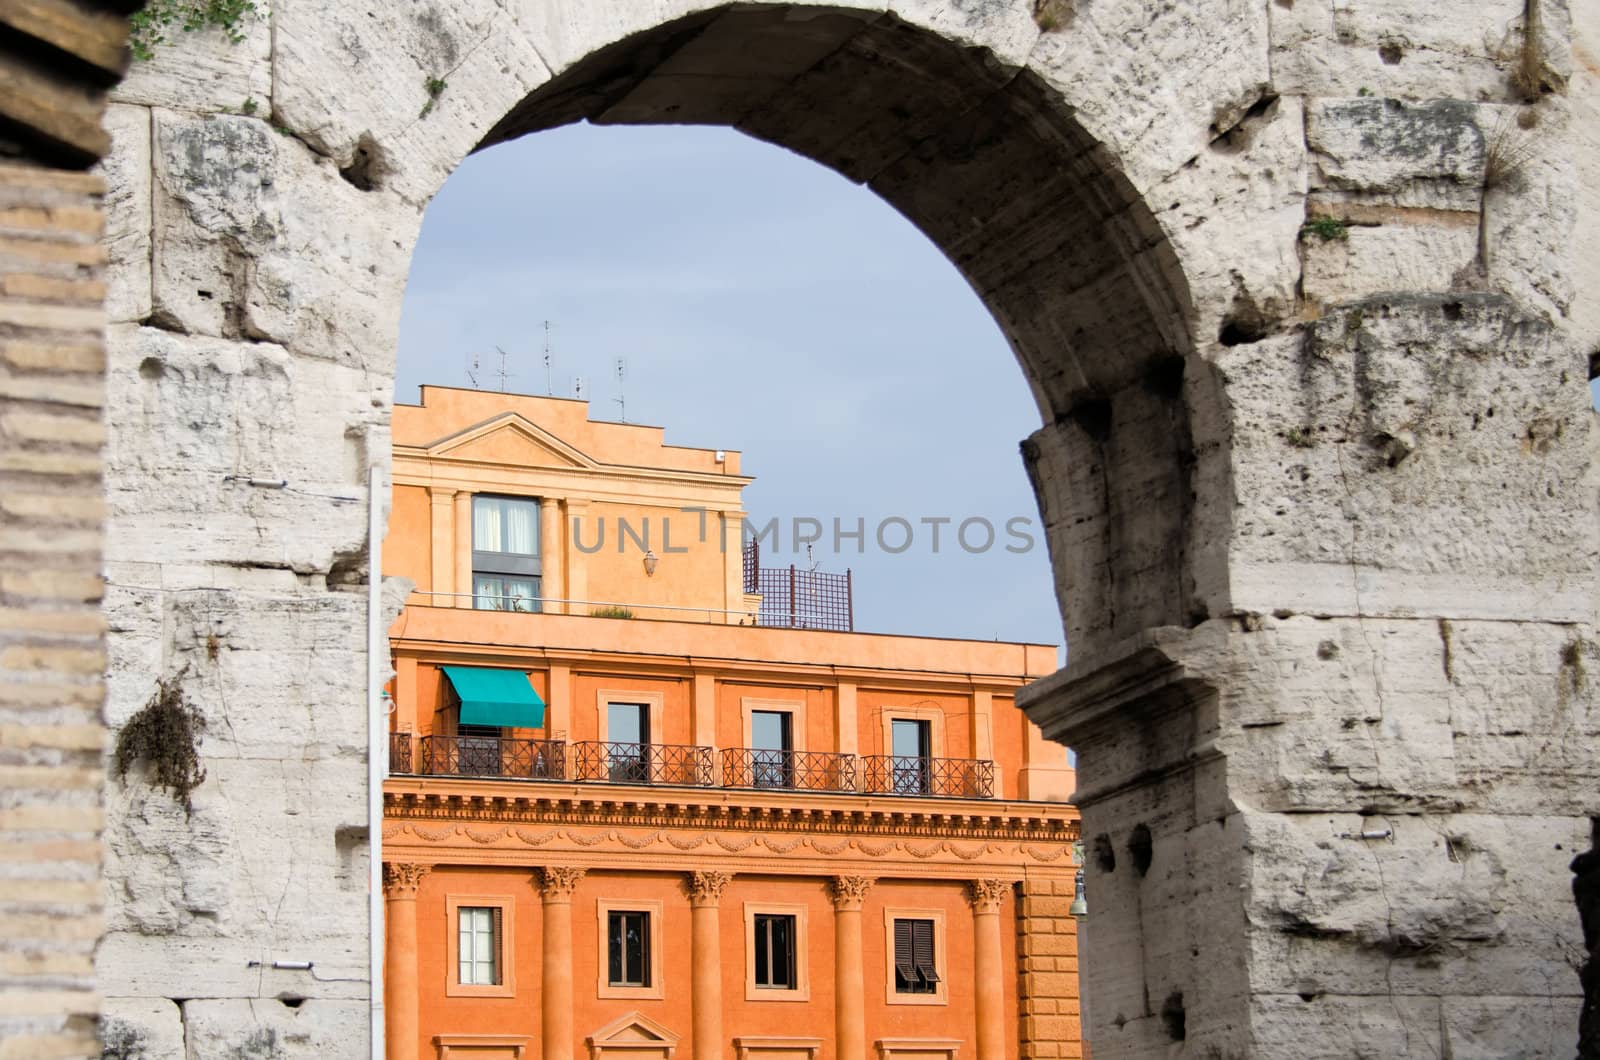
(791, 596)
(377, 730)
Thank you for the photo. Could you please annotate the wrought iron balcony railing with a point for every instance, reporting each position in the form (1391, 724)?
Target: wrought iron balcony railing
(750, 767)
(400, 752)
(643, 763)
(685, 765)
(962, 778)
(492, 756)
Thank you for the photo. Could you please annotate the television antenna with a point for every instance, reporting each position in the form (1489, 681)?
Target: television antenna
(472, 372)
(621, 399)
(504, 375)
(577, 387)
(548, 389)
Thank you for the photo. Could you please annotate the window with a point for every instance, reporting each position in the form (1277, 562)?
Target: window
(775, 961)
(911, 745)
(774, 951)
(914, 965)
(505, 553)
(628, 732)
(772, 749)
(478, 947)
(914, 950)
(628, 948)
(480, 931)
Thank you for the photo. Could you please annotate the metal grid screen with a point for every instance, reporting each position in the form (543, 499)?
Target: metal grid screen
(799, 599)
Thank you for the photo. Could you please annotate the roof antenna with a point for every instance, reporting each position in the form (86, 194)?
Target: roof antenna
(504, 375)
(577, 387)
(549, 391)
(472, 372)
(621, 398)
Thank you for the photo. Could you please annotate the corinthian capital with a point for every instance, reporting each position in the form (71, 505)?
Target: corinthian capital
(401, 880)
(850, 891)
(986, 895)
(559, 881)
(705, 888)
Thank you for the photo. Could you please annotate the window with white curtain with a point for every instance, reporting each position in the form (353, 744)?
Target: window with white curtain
(505, 553)
(478, 948)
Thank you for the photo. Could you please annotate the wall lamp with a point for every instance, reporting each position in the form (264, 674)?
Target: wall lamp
(650, 561)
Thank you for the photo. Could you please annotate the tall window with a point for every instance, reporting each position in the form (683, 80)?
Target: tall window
(772, 746)
(915, 971)
(478, 947)
(505, 553)
(628, 733)
(775, 950)
(913, 752)
(628, 948)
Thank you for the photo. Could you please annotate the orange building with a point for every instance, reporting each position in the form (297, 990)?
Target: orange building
(636, 810)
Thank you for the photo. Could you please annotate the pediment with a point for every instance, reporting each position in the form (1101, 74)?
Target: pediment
(634, 1029)
(510, 439)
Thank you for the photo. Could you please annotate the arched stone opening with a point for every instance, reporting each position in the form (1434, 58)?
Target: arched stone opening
(991, 165)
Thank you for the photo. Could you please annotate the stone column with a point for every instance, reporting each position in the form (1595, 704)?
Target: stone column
(463, 549)
(988, 978)
(551, 582)
(442, 531)
(705, 894)
(555, 984)
(580, 528)
(402, 1000)
(849, 1001)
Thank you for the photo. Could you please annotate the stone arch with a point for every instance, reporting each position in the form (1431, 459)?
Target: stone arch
(1275, 535)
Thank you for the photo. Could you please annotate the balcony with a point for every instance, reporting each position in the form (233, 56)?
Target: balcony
(479, 756)
(643, 763)
(683, 765)
(959, 778)
(749, 767)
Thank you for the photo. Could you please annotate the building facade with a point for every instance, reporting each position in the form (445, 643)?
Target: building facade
(629, 816)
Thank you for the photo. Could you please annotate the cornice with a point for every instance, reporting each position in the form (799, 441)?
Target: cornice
(681, 667)
(818, 815)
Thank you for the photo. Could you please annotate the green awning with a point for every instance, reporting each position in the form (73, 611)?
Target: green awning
(503, 698)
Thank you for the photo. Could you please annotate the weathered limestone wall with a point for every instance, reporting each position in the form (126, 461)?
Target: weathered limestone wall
(1297, 287)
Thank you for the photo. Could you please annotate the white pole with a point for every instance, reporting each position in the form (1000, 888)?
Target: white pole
(377, 759)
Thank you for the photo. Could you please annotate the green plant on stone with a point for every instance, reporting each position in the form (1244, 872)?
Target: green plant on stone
(611, 611)
(1327, 228)
(149, 27)
(1300, 438)
(433, 86)
(248, 106)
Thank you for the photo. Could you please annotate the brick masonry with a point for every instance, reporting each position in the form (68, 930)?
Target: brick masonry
(52, 635)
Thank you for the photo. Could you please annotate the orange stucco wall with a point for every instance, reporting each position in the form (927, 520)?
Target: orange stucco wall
(519, 1014)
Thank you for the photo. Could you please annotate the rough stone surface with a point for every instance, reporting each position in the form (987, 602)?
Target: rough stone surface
(1297, 288)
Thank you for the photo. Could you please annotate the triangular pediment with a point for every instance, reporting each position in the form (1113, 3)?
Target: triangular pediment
(510, 439)
(633, 1029)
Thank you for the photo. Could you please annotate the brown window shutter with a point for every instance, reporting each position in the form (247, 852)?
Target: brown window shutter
(904, 956)
(922, 949)
(499, 944)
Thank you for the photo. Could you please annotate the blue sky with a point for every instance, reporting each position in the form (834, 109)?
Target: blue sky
(765, 304)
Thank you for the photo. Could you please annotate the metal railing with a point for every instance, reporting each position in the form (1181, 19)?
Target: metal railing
(644, 763)
(965, 778)
(399, 752)
(751, 767)
(550, 605)
(492, 756)
(689, 766)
